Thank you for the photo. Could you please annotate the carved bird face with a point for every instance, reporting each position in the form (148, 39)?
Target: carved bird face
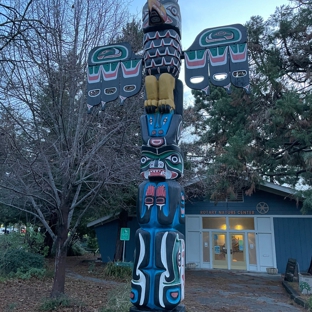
(161, 14)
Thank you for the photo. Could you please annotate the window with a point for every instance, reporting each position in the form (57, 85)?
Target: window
(241, 224)
(218, 223)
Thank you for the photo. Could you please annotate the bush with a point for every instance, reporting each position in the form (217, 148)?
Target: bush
(309, 302)
(51, 304)
(17, 261)
(9, 241)
(34, 242)
(76, 249)
(28, 273)
(115, 270)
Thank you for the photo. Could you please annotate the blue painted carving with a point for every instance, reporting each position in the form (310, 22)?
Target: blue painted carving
(217, 56)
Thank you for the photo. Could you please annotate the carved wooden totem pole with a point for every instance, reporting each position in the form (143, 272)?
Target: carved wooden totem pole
(218, 56)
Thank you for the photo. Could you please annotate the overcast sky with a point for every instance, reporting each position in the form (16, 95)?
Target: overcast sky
(200, 14)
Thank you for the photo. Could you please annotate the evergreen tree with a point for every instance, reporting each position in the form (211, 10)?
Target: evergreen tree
(267, 135)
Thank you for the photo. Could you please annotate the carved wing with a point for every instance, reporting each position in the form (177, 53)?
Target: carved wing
(218, 56)
(113, 71)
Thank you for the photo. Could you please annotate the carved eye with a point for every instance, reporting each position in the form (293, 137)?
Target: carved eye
(144, 160)
(174, 159)
(179, 259)
(145, 15)
(173, 10)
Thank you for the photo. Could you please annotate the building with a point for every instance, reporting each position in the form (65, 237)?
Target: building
(106, 229)
(250, 233)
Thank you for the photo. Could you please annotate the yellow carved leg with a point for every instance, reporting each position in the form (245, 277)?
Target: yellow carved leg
(151, 88)
(166, 87)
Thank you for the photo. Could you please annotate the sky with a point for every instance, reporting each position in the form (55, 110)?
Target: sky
(198, 15)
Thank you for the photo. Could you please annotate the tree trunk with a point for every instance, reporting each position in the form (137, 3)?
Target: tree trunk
(48, 240)
(58, 287)
(123, 221)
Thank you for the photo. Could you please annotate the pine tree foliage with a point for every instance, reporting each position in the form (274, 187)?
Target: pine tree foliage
(245, 139)
(133, 34)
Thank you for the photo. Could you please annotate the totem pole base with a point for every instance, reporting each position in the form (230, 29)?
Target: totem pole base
(179, 308)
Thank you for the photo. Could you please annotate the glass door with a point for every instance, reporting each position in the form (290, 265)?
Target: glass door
(238, 252)
(219, 251)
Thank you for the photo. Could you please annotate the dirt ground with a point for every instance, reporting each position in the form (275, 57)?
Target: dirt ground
(206, 290)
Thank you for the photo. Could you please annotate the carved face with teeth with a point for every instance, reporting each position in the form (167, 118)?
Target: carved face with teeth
(164, 163)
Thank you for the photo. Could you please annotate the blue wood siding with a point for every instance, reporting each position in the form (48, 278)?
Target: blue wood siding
(293, 240)
(278, 205)
(107, 235)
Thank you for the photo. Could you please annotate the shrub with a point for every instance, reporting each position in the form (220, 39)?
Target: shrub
(309, 302)
(51, 304)
(76, 249)
(92, 243)
(19, 261)
(12, 240)
(115, 270)
(28, 273)
(34, 241)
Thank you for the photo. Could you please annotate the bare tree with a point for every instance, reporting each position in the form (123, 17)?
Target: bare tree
(57, 160)
(12, 22)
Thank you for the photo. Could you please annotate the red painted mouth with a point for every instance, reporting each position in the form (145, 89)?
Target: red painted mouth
(157, 173)
(157, 142)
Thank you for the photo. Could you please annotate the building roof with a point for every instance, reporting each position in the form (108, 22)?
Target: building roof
(106, 219)
(265, 186)
(102, 220)
(276, 189)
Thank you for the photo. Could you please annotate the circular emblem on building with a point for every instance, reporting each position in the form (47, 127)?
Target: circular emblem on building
(262, 208)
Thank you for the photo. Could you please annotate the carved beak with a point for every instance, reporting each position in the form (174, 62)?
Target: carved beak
(157, 12)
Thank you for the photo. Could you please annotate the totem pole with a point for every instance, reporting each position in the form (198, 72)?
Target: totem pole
(218, 56)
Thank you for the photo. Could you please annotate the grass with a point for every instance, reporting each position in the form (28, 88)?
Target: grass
(10, 307)
(52, 304)
(119, 300)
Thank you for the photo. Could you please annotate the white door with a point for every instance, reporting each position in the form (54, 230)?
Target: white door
(192, 249)
(265, 249)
